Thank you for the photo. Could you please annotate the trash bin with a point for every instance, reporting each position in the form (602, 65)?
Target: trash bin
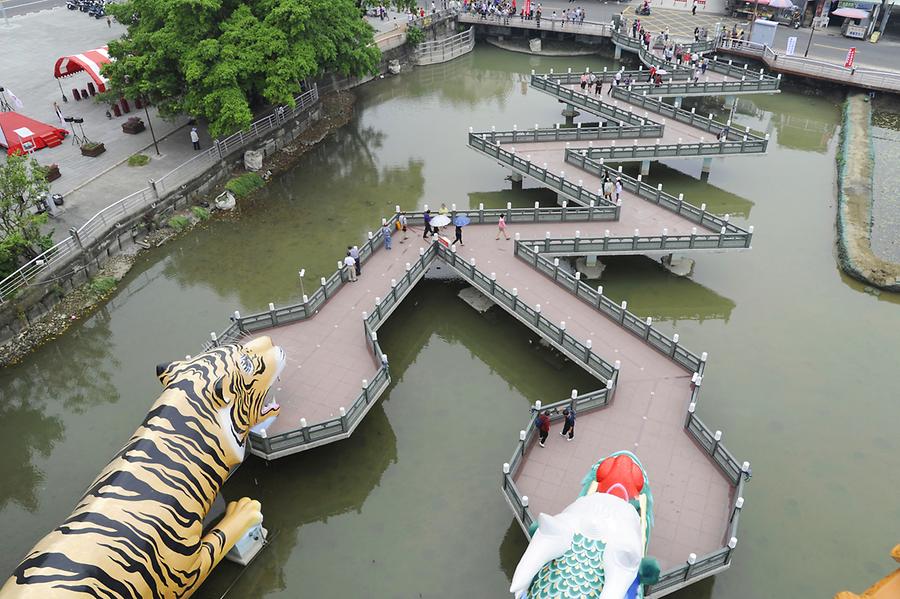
(138, 104)
(125, 107)
(57, 199)
(75, 93)
(91, 89)
(84, 93)
(116, 110)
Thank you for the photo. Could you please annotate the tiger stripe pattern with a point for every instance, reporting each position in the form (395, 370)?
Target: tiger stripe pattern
(138, 530)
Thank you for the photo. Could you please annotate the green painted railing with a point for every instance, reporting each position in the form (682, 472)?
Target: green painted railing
(577, 133)
(582, 404)
(638, 99)
(657, 196)
(548, 84)
(618, 313)
(604, 209)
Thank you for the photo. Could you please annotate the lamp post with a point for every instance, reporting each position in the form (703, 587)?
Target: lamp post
(812, 30)
(301, 273)
(150, 124)
(753, 22)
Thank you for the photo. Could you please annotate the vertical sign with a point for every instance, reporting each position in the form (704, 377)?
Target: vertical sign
(791, 46)
(851, 54)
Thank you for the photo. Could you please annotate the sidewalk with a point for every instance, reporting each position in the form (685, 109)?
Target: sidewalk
(122, 180)
(44, 37)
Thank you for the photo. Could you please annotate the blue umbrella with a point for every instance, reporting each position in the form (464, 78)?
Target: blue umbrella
(461, 220)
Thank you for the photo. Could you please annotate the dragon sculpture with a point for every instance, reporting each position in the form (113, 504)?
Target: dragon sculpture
(596, 547)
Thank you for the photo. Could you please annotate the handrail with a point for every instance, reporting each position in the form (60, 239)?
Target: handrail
(447, 49)
(531, 253)
(656, 195)
(578, 133)
(603, 208)
(548, 83)
(866, 77)
(111, 216)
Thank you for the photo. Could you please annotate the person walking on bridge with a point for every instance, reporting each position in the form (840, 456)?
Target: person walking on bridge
(501, 227)
(568, 424)
(386, 233)
(350, 267)
(428, 229)
(542, 423)
(353, 252)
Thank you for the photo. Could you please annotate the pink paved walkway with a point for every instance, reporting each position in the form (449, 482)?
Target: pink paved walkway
(327, 357)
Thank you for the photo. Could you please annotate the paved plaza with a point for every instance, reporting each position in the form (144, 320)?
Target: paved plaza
(48, 35)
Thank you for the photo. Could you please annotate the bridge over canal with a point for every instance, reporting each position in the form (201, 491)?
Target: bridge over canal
(648, 383)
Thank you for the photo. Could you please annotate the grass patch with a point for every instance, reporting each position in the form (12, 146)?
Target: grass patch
(179, 222)
(138, 160)
(245, 184)
(200, 213)
(101, 286)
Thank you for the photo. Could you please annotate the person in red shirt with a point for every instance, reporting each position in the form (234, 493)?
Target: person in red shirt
(542, 423)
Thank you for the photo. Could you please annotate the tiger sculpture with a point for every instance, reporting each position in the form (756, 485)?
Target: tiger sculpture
(138, 530)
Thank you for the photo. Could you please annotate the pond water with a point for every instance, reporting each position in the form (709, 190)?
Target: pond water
(802, 371)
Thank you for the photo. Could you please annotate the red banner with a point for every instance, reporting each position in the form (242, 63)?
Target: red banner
(851, 54)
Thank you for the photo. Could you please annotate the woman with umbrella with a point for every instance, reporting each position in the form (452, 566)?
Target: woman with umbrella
(461, 221)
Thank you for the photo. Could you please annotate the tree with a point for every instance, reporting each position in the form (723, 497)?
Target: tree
(217, 59)
(23, 186)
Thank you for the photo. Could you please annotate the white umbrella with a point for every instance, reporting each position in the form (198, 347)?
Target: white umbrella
(440, 220)
(780, 3)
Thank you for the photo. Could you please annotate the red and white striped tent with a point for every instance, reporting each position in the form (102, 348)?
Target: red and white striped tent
(89, 61)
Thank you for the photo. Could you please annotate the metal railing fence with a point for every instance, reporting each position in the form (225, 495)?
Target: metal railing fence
(811, 67)
(445, 49)
(546, 23)
(110, 217)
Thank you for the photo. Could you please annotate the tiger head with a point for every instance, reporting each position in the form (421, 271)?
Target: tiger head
(232, 382)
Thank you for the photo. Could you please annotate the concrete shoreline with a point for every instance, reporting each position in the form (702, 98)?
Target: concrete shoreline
(856, 161)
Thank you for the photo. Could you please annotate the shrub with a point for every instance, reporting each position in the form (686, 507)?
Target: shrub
(179, 222)
(101, 286)
(245, 184)
(415, 36)
(200, 213)
(138, 160)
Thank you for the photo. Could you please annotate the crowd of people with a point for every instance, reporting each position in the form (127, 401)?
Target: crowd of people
(504, 10)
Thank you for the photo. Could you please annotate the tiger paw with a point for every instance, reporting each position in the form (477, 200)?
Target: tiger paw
(240, 516)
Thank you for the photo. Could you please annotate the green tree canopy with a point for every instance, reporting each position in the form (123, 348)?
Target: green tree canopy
(23, 185)
(217, 59)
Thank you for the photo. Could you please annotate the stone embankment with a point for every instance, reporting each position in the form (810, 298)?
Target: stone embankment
(856, 166)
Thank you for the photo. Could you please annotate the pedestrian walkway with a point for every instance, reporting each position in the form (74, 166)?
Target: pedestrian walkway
(330, 366)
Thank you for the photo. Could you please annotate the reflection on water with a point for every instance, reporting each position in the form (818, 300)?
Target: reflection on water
(407, 496)
(801, 375)
(673, 298)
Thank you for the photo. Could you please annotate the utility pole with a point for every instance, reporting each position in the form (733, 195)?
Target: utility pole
(812, 30)
(753, 22)
(150, 124)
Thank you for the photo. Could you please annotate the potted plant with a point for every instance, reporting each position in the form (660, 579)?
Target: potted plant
(92, 148)
(133, 125)
(52, 172)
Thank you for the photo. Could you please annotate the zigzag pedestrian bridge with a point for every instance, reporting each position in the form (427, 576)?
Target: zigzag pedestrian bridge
(648, 383)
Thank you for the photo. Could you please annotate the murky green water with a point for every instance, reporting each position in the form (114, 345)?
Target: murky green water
(801, 378)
